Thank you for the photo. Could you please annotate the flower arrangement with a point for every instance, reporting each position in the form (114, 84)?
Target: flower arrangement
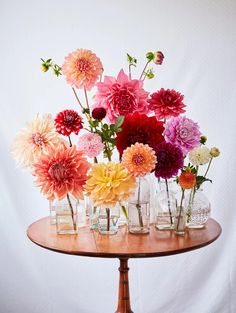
(116, 118)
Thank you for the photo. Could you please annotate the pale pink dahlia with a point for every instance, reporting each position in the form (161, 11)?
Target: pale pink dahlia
(121, 96)
(82, 68)
(182, 132)
(90, 144)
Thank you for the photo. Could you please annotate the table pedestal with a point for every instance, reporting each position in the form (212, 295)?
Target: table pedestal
(123, 299)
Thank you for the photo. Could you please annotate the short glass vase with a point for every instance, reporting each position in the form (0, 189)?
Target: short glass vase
(108, 220)
(67, 215)
(180, 221)
(139, 208)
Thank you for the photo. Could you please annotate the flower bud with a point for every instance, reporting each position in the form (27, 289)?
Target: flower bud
(215, 152)
(44, 67)
(203, 140)
(158, 57)
(150, 56)
(99, 113)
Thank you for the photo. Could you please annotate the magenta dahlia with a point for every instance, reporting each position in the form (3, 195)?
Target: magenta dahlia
(169, 160)
(67, 122)
(121, 96)
(182, 132)
(166, 103)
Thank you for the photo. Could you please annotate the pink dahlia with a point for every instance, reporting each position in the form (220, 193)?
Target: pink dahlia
(182, 132)
(82, 68)
(61, 171)
(166, 103)
(90, 144)
(121, 96)
(169, 160)
(67, 122)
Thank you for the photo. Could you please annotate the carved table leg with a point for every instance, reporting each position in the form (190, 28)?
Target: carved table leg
(123, 300)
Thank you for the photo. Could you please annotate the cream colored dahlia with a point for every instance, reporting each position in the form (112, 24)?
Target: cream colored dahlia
(109, 183)
(82, 68)
(199, 156)
(139, 159)
(34, 139)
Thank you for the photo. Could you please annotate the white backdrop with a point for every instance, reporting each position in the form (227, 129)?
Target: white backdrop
(199, 43)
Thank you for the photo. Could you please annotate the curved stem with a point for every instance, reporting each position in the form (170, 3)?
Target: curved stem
(77, 98)
(209, 164)
(144, 70)
(86, 97)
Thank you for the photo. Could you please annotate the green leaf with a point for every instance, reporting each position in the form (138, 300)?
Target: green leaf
(201, 180)
(119, 121)
(125, 212)
(129, 58)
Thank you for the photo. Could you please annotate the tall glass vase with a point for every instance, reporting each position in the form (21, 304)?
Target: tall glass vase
(198, 209)
(165, 205)
(139, 208)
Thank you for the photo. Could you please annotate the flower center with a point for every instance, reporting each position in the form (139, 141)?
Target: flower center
(183, 132)
(138, 159)
(162, 157)
(69, 119)
(37, 139)
(83, 65)
(137, 137)
(123, 101)
(58, 172)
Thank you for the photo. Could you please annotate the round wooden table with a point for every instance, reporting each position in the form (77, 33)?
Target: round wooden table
(122, 245)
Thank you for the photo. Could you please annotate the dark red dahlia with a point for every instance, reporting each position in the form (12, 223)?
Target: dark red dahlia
(139, 128)
(99, 113)
(67, 122)
(166, 103)
(169, 160)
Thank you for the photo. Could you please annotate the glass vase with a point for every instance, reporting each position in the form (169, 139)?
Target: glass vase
(108, 219)
(180, 220)
(198, 209)
(165, 205)
(52, 212)
(139, 208)
(67, 215)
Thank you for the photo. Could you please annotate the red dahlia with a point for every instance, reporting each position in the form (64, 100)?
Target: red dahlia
(67, 122)
(139, 128)
(99, 113)
(166, 103)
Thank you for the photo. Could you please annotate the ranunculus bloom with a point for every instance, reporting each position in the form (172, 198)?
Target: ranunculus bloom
(169, 160)
(99, 113)
(158, 57)
(67, 122)
(38, 136)
(139, 128)
(139, 159)
(60, 171)
(166, 103)
(121, 96)
(187, 180)
(82, 68)
(109, 183)
(182, 132)
(91, 144)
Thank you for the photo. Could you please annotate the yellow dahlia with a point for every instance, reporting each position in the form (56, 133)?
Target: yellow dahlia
(82, 68)
(109, 183)
(38, 135)
(139, 159)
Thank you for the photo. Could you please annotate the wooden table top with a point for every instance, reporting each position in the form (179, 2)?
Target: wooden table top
(123, 244)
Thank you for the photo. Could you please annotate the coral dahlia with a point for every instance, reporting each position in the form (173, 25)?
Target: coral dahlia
(67, 122)
(109, 183)
(121, 96)
(139, 128)
(60, 171)
(139, 159)
(169, 160)
(33, 140)
(182, 132)
(82, 68)
(166, 103)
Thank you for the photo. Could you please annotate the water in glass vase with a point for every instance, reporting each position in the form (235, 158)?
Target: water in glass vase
(108, 219)
(139, 217)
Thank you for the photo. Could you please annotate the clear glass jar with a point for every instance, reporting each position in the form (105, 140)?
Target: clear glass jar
(139, 208)
(66, 215)
(52, 212)
(198, 209)
(108, 220)
(165, 205)
(180, 220)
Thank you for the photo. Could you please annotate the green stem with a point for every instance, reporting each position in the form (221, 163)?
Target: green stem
(70, 141)
(138, 206)
(180, 210)
(77, 98)
(209, 164)
(168, 201)
(72, 212)
(144, 70)
(86, 97)
(108, 218)
(95, 160)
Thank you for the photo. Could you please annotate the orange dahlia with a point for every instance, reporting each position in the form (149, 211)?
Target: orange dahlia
(82, 68)
(187, 180)
(139, 159)
(60, 171)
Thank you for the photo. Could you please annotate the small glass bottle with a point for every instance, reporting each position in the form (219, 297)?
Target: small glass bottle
(139, 208)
